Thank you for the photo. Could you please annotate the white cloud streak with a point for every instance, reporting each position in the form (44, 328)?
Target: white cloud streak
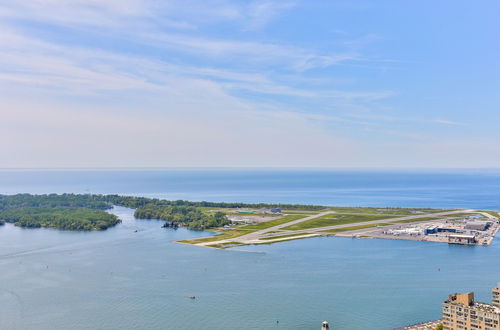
(171, 93)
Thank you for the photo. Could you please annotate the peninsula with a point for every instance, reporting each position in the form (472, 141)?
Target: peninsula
(238, 224)
(458, 226)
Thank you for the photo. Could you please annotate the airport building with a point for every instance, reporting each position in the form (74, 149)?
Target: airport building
(462, 239)
(478, 225)
(462, 312)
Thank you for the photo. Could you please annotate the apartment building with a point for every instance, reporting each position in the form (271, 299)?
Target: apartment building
(462, 312)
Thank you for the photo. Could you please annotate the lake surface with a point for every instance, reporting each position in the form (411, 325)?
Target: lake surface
(133, 277)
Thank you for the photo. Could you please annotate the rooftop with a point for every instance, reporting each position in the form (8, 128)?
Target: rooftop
(462, 236)
(487, 307)
(484, 307)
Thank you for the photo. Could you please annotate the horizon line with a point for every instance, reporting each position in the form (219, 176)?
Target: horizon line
(167, 168)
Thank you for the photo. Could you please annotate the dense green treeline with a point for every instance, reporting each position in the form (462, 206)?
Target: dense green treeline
(65, 211)
(105, 201)
(70, 218)
(188, 213)
(53, 200)
(135, 202)
(75, 211)
(191, 217)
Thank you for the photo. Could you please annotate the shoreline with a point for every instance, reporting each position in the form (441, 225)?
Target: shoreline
(283, 232)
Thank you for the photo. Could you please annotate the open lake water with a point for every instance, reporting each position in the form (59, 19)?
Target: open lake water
(133, 277)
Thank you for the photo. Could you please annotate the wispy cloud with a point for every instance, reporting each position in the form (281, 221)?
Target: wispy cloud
(83, 70)
(261, 12)
(448, 122)
(142, 71)
(185, 14)
(167, 25)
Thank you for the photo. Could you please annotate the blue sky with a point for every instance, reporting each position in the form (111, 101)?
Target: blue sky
(129, 83)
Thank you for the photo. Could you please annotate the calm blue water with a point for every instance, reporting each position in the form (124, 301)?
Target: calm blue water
(122, 279)
(480, 189)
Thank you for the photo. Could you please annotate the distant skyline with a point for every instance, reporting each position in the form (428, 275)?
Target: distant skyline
(219, 83)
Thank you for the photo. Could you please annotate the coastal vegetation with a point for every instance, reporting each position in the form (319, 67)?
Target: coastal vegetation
(135, 202)
(188, 216)
(245, 229)
(69, 218)
(53, 200)
(68, 211)
(65, 211)
(88, 212)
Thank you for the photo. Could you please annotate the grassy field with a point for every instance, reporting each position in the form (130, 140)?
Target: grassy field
(447, 217)
(419, 220)
(272, 223)
(246, 229)
(337, 219)
(339, 230)
(283, 236)
(305, 212)
(384, 210)
(250, 215)
(344, 216)
(225, 235)
(226, 245)
(493, 213)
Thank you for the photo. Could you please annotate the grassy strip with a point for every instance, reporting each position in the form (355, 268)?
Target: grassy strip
(225, 235)
(386, 210)
(339, 230)
(418, 220)
(337, 219)
(283, 236)
(493, 213)
(459, 215)
(304, 212)
(272, 223)
(250, 215)
(226, 245)
(445, 217)
(245, 229)
(394, 222)
(275, 231)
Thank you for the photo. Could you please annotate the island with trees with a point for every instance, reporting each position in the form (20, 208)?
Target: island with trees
(188, 216)
(68, 218)
(88, 211)
(66, 211)
(252, 223)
